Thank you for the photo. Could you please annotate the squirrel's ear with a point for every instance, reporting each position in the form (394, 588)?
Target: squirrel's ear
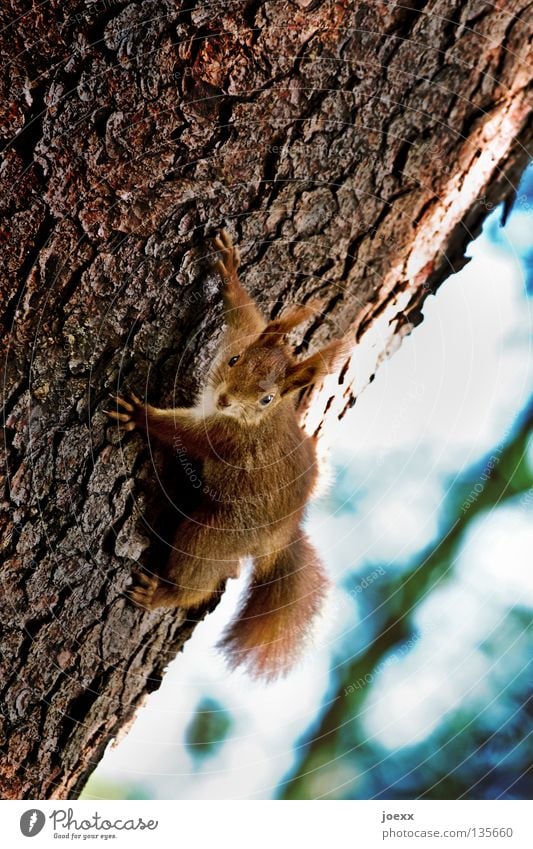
(291, 318)
(315, 367)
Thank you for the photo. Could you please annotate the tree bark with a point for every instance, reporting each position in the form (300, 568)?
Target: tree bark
(353, 149)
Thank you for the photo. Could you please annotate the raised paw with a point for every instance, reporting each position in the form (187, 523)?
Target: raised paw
(142, 590)
(227, 266)
(129, 413)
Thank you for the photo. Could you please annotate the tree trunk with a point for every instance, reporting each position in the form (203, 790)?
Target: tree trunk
(353, 149)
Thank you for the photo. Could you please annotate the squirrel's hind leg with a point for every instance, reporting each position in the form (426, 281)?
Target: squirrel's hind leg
(203, 558)
(150, 591)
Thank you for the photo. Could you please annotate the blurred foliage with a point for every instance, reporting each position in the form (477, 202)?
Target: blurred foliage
(471, 753)
(208, 729)
(101, 788)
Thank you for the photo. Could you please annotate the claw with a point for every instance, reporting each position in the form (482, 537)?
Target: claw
(122, 403)
(137, 599)
(136, 400)
(123, 421)
(121, 417)
(125, 426)
(221, 268)
(142, 589)
(140, 594)
(226, 238)
(227, 267)
(145, 580)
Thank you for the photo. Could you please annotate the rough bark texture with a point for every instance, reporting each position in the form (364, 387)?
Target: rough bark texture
(352, 148)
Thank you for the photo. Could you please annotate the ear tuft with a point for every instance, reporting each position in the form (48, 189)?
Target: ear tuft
(288, 320)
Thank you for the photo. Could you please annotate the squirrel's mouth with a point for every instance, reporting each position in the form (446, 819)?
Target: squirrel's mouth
(235, 410)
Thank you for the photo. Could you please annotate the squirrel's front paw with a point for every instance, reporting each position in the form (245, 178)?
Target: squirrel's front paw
(231, 258)
(142, 590)
(131, 413)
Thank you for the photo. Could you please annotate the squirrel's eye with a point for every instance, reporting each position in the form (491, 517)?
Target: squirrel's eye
(266, 400)
(233, 360)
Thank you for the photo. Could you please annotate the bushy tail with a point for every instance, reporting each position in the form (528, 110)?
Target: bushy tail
(277, 612)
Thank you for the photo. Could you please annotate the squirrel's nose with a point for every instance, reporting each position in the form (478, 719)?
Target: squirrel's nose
(223, 400)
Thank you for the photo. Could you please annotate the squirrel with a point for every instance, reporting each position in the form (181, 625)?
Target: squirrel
(259, 469)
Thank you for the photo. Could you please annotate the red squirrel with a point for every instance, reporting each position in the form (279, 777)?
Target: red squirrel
(258, 470)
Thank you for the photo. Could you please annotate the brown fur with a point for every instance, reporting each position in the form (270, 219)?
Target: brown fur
(259, 470)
